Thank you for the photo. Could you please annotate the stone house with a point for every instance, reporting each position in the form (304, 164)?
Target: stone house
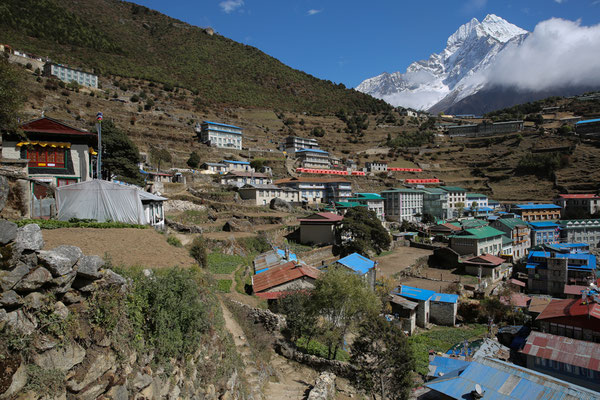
(490, 266)
(263, 194)
(319, 228)
(284, 278)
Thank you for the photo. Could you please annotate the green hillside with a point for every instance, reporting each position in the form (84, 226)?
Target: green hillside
(121, 38)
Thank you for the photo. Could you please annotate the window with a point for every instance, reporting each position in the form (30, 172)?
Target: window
(46, 157)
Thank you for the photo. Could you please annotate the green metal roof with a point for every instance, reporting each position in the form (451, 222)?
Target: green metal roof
(480, 233)
(348, 204)
(434, 190)
(475, 195)
(368, 196)
(512, 223)
(473, 223)
(506, 240)
(402, 190)
(453, 189)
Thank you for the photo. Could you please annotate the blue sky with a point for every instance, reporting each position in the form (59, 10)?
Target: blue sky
(349, 41)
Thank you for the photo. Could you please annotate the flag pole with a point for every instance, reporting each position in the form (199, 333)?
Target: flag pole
(99, 160)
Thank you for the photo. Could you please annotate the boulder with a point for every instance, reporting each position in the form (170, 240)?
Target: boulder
(141, 381)
(238, 225)
(60, 310)
(280, 205)
(62, 284)
(34, 301)
(118, 393)
(8, 279)
(21, 322)
(44, 342)
(34, 280)
(56, 263)
(29, 237)
(62, 358)
(10, 299)
(89, 267)
(73, 253)
(72, 297)
(324, 388)
(111, 278)
(95, 366)
(8, 231)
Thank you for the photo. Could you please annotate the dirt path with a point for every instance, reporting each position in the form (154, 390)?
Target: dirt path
(401, 258)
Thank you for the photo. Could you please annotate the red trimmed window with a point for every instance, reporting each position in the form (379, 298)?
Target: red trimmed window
(49, 157)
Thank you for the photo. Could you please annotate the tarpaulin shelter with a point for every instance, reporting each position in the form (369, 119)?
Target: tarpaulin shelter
(104, 201)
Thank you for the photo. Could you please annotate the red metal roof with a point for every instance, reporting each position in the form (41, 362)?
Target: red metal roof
(517, 282)
(568, 308)
(489, 259)
(574, 289)
(49, 125)
(575, 352)
(322, 217)
(311, 180)
(281, 274)
(516, 300)
(578, 196)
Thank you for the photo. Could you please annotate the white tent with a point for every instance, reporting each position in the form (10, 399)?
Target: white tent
(102, 201)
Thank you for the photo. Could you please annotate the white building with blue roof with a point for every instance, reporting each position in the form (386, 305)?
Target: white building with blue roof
(313, 158)
(436, 308)
(220, 135)
(360, 265)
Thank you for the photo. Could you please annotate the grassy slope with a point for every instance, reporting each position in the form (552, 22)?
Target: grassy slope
(122, 38)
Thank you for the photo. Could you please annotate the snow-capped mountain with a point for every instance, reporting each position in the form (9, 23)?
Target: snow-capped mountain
(452, 75)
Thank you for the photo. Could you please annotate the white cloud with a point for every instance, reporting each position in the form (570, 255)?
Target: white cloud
(557, 53)
(231, 5)
(313, 11)
(472, 6)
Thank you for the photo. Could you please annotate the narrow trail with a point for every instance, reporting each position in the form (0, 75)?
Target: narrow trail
(289, 380)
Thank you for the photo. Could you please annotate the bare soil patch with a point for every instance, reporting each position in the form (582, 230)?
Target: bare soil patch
(127, 246)
(400, 259)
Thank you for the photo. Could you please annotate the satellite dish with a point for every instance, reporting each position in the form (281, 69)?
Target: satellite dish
(478, 389)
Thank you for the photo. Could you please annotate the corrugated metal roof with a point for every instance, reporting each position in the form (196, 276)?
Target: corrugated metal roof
(452, 189)
(502, 380)
(312, 151)
(404, 303)
(575, 352)
(569, 308)
(532, 206)
(220, 124)
(322, 217)
(357, 263)
(281, 274)
(441, 366)
(511, 222)
(369, 196)
(415, 293)
(444, 298)
(236, 162)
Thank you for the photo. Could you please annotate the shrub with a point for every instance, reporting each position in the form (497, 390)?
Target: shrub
(198, 251)
(194, 160)
(224, 285)
(174, 241)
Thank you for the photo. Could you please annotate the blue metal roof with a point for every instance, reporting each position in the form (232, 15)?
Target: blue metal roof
(220, 124)
(312, 150)
(445, 298)
(221, 130)
(415, 293)
(281, 252)
(587, 121)
(359, 264)
(501, 380)
(591, 259)
(544, 224)
(236, 162)
(443, 365)
(532, 206)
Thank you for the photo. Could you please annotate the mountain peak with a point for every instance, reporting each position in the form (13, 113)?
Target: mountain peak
(499, 28)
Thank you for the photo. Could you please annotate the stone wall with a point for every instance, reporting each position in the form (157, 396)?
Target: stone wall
(50, 346)
(324, 388)
(442, 313)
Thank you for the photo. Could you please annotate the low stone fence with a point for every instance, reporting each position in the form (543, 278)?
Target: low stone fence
(424, 246)
(324, 388)
(271, 321)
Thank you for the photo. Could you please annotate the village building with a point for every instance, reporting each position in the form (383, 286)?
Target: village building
(581, 231)
(376, 166)
(476, 200)
(404, 311)
(220, 135)
(574, 206)
(360, 265)
(56, 154)
(156, 176)
(68, 75)
(262, 194)
(507, 247)
(488, 266)
(435, 203)
(552, 271)
(537, 212)
(544, 232)
(313, 158)
(294, 143)
(490, 378)
(477, 241)
(519, 233)
(241, 178)
(438, 308)
(213, 168)
(319, 190)
(319, 228)
(351, 165)
(240, 166)
(373, 201)
(494, 204)
(272, 258)
(485, 129)
(446, 229)
(573, 318)
(282, 279)
(457, 198)
(571, 360)
(403, 204)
